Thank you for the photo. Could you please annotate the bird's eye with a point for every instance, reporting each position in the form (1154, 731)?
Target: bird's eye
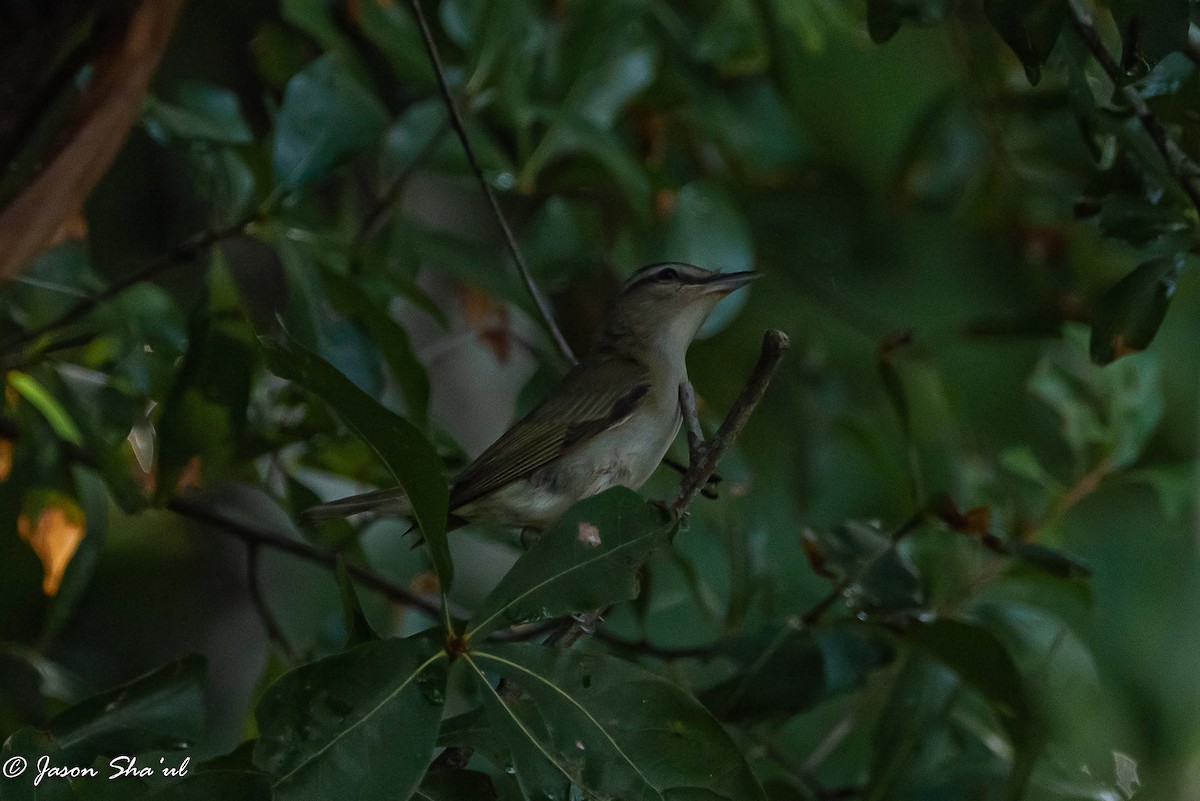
(669, 274)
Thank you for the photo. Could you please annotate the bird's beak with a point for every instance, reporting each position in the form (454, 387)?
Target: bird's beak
(724, 283)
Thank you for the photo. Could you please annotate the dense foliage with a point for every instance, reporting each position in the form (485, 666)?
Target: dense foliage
(952, 555)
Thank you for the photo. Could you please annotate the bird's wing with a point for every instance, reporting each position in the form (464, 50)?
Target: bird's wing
(589, 401)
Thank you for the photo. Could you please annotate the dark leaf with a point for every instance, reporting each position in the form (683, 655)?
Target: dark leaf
(1128, 315)
(409, 456)
(587, 560)
(1029, 27)
(982, 662)
(227, 785)
(359, 724)
(819, 665)
(456, 785)
(884, 17)
(611, 729)
(203, 113)
(327, 116)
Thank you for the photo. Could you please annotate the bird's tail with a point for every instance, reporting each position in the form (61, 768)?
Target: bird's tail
(390, 502)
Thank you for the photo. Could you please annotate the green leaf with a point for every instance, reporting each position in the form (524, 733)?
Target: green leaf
(161, 710)
(359, 724)
(1107, 413)
(358, 627)
(609, 728)
(883, 580)
(39, 398)
(1150, 31)
(409, 456)
(205, 412)
(982, 662)
(326, 117)
(571, 134)
(1129, 314)
(1029, 27)
(819, 665)
(884, 17)
(203, 113)
(389, 335)
(587, 560)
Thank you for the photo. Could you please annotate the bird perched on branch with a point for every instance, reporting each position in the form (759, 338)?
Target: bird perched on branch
(609, 422)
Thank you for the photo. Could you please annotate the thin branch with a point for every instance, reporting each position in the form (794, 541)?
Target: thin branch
(775, 344)
(254, 537)
(374, 216)
(176, 256)
(1181, 166)
(274, 633)
(818, 610)
(456, 121)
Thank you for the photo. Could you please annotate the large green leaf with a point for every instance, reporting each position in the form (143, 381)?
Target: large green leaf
(360, 724)
(326, 117)
(587, 560)
(609, 729)
(409, 456)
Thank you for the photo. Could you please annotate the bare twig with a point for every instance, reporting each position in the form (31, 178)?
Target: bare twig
(1178, 162)
(176, 256)
(389, 196)
(775, 344)
(274, 633)
(255, 537)
(456, 122)
(691, 423)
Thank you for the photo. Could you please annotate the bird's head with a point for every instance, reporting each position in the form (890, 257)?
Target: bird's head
(663, 306)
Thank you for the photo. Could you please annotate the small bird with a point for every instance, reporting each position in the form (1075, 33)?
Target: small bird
(609, 422)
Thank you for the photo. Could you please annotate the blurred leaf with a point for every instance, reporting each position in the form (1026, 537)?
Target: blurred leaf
(945, 156)
(571, 134)
(205, 413)
(1128, 315)
(332, 728)
(409, 456)
(587, 560)
(733, 39)
(391, 28)
(1150, 30)
(982, 662)
(204, 112)
(1029, 27)
(882, 580)
(608, 728)
(50, 284)
(1049, 560)
(77, 577)
(1175, 486)
(1113, 410)
(389, 335)
(31, 390)
(884, 17)
(326, 117)
(819, 664)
